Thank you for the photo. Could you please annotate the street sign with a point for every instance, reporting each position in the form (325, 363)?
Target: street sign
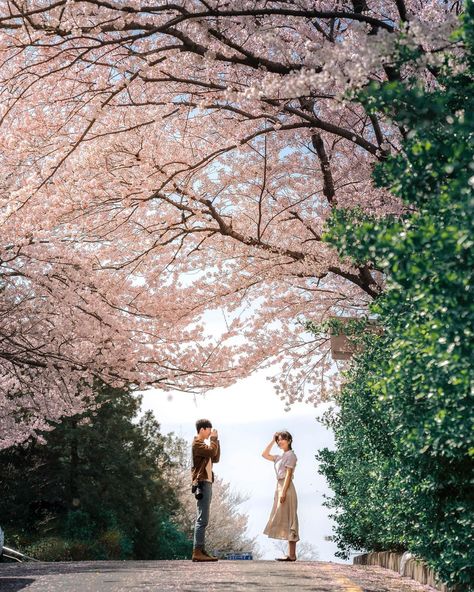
(342, 346)
(238, 556)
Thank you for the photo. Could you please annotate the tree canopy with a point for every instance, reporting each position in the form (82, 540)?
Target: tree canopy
(163, 161)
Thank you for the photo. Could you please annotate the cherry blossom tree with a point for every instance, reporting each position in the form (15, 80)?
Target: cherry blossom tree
(160, 162)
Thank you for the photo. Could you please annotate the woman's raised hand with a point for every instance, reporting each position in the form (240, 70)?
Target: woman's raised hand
(266, 453)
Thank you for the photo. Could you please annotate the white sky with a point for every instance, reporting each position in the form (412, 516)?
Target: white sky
(247, 415)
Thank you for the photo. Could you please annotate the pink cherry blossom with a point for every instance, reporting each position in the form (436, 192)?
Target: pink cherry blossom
(161, 162)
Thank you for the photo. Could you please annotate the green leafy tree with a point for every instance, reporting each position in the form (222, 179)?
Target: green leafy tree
(95, 488)
(403, 468)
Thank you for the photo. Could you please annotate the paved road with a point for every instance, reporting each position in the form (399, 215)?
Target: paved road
(185, 576)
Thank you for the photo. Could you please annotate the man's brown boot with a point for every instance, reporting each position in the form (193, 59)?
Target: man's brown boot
(199, 555)
(211, 556)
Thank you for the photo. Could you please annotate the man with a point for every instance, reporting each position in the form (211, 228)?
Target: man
(204, 456)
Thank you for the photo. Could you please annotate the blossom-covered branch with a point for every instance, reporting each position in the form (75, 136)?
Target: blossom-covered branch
(163, 164)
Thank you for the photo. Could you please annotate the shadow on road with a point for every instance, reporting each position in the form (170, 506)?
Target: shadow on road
(50, 568)
(14, 584)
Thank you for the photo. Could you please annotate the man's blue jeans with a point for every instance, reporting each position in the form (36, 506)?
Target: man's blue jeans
(202, 517)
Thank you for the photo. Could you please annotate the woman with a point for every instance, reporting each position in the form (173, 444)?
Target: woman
(283, 521)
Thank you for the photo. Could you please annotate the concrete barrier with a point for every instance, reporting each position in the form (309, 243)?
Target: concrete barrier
(406, 565)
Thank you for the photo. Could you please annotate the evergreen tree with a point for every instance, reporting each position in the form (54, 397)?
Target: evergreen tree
(95, 488)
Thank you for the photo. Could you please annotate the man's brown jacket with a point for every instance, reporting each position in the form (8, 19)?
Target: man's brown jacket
(201, 453)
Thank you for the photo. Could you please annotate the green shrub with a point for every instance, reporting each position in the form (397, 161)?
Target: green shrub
(115, 544)
(78, 525)
(50, 549)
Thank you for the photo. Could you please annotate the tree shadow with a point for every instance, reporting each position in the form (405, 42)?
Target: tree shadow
(15, 584)
(19, 576)
(18, 571)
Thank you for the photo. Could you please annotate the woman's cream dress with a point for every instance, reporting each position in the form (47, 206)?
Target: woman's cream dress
(283, 521)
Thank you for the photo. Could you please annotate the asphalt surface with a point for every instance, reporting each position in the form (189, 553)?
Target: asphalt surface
(185, 576)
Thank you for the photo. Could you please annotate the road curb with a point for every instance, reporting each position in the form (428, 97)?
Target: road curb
(406, 565)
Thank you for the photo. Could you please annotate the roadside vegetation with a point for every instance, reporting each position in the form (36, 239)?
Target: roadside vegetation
(402, 471)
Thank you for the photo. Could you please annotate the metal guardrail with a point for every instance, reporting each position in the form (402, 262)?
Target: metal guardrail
(12, 553)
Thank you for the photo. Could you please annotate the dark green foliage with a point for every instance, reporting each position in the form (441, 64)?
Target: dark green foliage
(403, 469)
(95, 489)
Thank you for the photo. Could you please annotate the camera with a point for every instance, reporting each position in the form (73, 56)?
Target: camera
(198, 492)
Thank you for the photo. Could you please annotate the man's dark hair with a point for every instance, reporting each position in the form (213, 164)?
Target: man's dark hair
(203, 423)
